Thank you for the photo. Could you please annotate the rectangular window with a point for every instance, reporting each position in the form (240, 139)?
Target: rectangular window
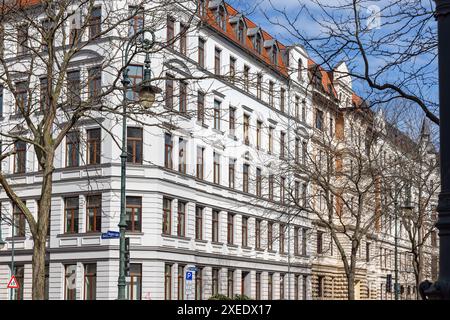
(45, 97)
(215, 281)
(181, 226)
(182, 155)
(296, 242)
(258, 234)
(304, 287)
(199, 284)
(200, 152)
(217, 63)
(282, 144)
(215, 226)
(232, 121)
(20, 157)
(134, 213)
(232, 69)
(258, 182)
(72, 149)
(269, 236)
(320, 286)
(1, 99)
(230, 228)
(201, 107)
(296, 287)
(180, 282)
(246, 129)
(134, 282)
(270, 286)
(258, 286)
(297, 193)
(170, 31)
(94, 213)
(216, 168)
(94, 146)
(22, 97)
(95, 21)
(135, 74)
(271, 182)
(183, 97)
(73, 88)
(282, 237)
(201, 52)
(70, 282)
(90, 281)
(319, 242)
(304, 152)
(71, 213)
(136, 23)
(95, 83)
(217, 114)
(231, 173)
(259, 86)
(282, 99)
(282, 276)
(247, 78)
(134, 145)
(303, 111)
(319, 119)
(270, 148)
(183, 38)
(282, 189)
(367, 251)
(258, 134)
(304, 241)
(168, 282)
(169, 91)
(18, 222)
(198, 223)
(22, 39)
(297, 150)
(245, 177)
(304, 190)
(168, 150)
(230, 283)
(271, 85)
(167, 216)
(47, 282)
(245, 231)
(297, 107)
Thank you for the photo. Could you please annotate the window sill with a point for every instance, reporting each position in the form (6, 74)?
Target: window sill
(201, 241)
(217, 243)
(218, 131)
(246, 248)
(232, 245)
(175, 237)
(202, 124)
(78, 235)
(16, 238)
(259, 249)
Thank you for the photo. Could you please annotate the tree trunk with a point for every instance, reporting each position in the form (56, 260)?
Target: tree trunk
(38, 265)
(351, 286)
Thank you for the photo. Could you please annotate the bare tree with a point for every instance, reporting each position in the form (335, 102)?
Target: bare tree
(41, 42)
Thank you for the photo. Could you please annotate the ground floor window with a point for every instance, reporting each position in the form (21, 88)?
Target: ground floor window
(134, 284)
(90, 281)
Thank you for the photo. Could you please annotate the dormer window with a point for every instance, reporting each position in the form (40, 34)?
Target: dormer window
(274, 55)
(258, 42)
(240, 31)
(220, 17)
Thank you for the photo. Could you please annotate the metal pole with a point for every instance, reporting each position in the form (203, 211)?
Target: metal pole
(396, 249)
(12, 256)
(123, 157)
(441, 289)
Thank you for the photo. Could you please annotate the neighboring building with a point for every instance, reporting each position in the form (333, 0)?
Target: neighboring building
(198, 186)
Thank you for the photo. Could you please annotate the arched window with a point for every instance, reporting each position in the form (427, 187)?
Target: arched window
(274, 56)
(258, 41)
(300, 69)
(240, 31)
(221, 17)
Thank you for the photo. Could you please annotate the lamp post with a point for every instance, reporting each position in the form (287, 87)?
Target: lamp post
(440, 290)
(139, 43)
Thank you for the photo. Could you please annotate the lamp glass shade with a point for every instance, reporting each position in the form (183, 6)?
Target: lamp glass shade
(147, 97)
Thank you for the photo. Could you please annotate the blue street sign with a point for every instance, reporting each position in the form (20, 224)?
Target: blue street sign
(189, 275)
(195, 269)
(111, 235)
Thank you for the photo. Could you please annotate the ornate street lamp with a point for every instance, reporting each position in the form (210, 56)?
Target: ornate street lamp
(137, 44)
(440, 290)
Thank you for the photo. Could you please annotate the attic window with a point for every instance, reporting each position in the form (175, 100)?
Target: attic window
(258, 41)
(274, 55)
(240, 31)
(220, 17)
